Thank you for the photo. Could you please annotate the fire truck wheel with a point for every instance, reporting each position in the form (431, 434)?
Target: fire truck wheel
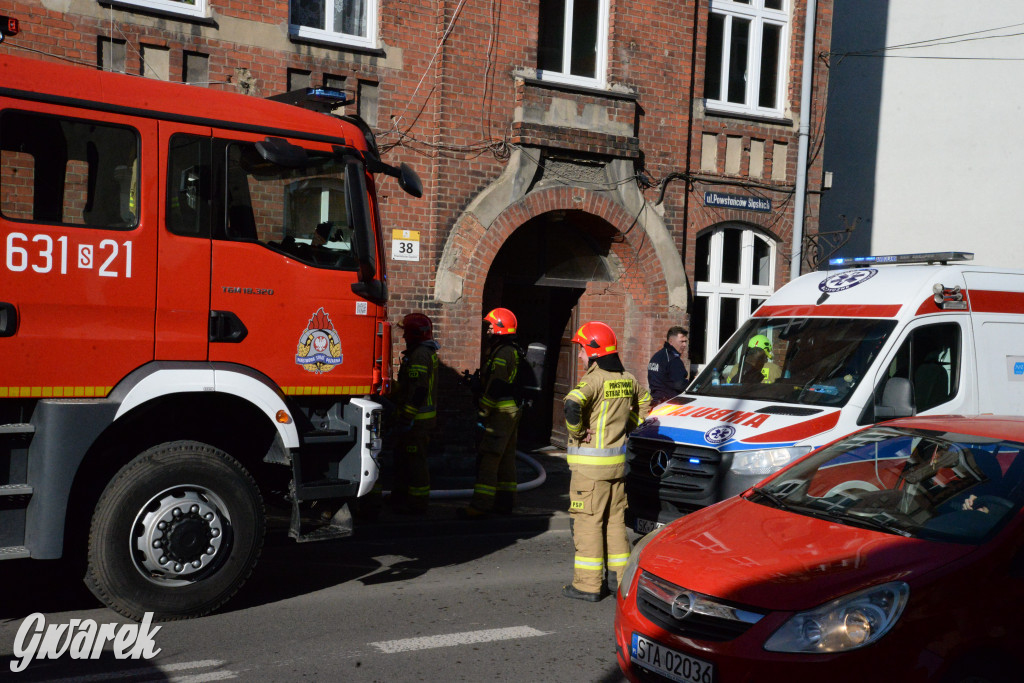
(176, 532)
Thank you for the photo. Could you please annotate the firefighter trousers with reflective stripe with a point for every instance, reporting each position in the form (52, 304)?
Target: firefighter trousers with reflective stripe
(412, 475)
(597, 510)
(496, 463)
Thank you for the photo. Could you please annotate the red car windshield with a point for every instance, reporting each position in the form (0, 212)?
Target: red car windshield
(933, 485)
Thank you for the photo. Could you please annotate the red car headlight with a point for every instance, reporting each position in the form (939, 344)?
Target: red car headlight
(847, 623)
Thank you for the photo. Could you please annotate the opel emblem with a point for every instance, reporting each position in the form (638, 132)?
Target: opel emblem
(682, 605)
(659, 463)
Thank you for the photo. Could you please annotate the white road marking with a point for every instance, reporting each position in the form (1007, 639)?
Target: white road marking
(203, 678)
(452, 639)
(147, 672)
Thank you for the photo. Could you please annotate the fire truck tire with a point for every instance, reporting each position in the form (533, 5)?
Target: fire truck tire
(176, 532)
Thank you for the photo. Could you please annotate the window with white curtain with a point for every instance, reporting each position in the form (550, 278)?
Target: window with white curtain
(351, 22)
(734, 274)
(747, 50)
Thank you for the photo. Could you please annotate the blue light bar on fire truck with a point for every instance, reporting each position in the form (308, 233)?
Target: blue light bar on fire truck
(321, 99)
(928, 257)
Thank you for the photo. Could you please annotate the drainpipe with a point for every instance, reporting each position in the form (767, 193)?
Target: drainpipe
(802, 145)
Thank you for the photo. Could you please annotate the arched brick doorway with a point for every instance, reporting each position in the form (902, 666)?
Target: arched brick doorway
(589, 259)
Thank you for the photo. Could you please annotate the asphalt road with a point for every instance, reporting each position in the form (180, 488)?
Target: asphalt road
(406, 599)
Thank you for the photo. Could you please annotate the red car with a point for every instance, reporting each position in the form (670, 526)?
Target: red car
(893, 554)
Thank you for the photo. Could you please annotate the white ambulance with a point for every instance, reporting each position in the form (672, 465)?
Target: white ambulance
(830, 352)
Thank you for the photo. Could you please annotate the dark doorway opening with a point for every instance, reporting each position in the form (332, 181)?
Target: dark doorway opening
(539, 274)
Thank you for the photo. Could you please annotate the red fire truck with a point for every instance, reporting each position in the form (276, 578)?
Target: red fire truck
(193, 325)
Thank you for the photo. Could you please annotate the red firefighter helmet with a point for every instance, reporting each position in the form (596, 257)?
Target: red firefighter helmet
(502, 321)
(416, 328)
(596, 338)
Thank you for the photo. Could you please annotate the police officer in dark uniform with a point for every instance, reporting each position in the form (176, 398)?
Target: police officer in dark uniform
(667, 374)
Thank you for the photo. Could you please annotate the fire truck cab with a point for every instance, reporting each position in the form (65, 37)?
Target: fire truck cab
(830, 352)
(192, 321)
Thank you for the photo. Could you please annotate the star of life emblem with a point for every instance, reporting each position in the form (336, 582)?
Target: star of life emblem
(719, 435)
(846, 279)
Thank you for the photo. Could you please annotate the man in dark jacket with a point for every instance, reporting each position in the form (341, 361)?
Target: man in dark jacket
(667, 374)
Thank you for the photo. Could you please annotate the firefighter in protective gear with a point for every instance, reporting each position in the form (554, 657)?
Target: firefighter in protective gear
(600, 412)
(757, 366)
(498, 413)
(415, 399)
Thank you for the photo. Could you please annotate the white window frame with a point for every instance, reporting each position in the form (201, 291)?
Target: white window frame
(323, 35)
(199, 9)
(601, 58)
(715, 290)
(759, 16)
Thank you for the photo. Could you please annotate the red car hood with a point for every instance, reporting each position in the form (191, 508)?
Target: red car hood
(769, 558)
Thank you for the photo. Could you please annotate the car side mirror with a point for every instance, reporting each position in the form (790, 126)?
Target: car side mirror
(897, 399)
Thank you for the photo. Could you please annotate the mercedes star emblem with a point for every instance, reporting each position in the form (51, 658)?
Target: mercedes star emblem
(659, 463)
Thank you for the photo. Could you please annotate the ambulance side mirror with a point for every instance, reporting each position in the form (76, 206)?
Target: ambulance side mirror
(897, 399)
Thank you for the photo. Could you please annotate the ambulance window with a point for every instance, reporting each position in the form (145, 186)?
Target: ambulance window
(930, 359)
(188, 186)
(68, 171)
(299, 212)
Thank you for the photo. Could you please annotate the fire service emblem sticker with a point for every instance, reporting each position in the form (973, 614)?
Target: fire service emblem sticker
(319, 348)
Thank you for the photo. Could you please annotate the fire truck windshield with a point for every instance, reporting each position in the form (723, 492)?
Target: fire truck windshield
(816, 361)
(307, 211)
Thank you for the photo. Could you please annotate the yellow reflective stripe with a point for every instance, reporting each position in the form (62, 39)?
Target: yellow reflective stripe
(484, 490)
(602, 425)
(491, 403)
(419, 491)
(578, 395)
(426, 415)
(590, 563)
(49, 392)
(507, 486)
(595, 459)
(617, 560)
(311, 391)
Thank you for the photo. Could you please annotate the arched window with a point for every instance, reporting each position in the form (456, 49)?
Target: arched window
(734, 274)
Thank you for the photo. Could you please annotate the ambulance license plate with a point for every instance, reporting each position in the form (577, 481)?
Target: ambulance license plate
(645, 526)
(669, 663)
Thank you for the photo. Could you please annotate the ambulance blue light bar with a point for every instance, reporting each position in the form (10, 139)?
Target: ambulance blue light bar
(927, 257)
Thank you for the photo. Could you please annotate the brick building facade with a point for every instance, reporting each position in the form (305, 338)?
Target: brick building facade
(582, 159)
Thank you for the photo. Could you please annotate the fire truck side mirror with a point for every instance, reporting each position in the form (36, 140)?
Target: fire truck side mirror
(409, 181)
(281, 152)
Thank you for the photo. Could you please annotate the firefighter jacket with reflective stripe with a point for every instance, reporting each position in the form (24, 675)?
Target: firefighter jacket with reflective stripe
(416, 393)
(610, 405)
(498, 379)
